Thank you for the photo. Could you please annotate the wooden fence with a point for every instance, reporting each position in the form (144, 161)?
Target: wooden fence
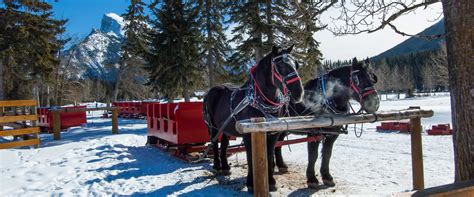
(57, 118)
(21, 116)
(258, 127)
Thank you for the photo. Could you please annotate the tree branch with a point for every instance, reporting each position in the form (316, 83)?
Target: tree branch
(360, 19)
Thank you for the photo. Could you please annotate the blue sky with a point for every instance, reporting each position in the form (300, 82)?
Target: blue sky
(84, 15)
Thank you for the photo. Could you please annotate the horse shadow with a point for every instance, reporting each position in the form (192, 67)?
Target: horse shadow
(220, 189)
(308, 191)
(148, 161)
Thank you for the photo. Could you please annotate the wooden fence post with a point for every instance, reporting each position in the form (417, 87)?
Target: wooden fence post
(259, 162)
(2, 109)
(56, 124)
(34, 123)
(417, 153)
(115, 121)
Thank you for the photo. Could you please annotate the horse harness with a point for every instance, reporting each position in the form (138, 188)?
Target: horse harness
(354, 83)
(254, 96)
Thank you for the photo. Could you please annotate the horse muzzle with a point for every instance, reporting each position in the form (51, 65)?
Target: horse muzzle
(371, 102)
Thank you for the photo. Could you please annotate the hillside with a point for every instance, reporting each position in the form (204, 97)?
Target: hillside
(414, 44)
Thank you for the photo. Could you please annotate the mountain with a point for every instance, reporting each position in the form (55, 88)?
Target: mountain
(96, 55)
(415, 44)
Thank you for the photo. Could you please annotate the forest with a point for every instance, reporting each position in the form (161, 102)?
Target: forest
(174, 49)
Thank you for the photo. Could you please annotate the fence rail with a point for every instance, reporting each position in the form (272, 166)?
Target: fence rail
(14, 113)
(258, 127)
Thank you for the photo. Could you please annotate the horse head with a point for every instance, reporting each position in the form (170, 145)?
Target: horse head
(285, 75)
(362, 81)
(276, 74)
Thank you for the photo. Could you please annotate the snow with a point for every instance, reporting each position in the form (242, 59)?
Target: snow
(90, 161)
(114, 23)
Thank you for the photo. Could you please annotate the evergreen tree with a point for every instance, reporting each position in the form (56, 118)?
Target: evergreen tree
(307, 48)
(133, 49)
(260, 25)
(173, 60)
(248, 35)
(28, 46)
(214, 46)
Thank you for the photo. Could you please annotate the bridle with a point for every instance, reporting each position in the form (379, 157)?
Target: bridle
(289, 78)
(361, 92)
(284, 80)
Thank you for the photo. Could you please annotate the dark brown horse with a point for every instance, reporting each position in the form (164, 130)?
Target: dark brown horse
(272, 84)
(328, 95)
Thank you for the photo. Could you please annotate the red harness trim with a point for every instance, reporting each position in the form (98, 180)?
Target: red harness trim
(257, 87)
(356, 89)
(293, 80)
(274, 75)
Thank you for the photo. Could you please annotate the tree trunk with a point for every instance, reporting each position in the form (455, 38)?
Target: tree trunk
(258, 37)
(116, 86)
(269, 16)
(186, 92)
(459, 23)
(2, 90)
(211, 55)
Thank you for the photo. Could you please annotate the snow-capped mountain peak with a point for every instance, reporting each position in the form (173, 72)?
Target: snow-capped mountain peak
(90, 57)
(112, 23)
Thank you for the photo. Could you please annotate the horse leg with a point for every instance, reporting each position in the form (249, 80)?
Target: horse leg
(248, 150)
(224, 163)
(312, 181)
(271, 141)
(216, 160)
(215, 151)
(282, 167)
(326, 157)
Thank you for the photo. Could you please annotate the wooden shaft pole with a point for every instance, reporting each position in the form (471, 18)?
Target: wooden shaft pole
(260, 164)
(293, 123)
(416, 153)
(115, 121)
(56, 125)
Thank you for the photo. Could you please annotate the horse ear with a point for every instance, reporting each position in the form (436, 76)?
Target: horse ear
(367, 63)
(290, 49)
(354, 62)
(274, 50)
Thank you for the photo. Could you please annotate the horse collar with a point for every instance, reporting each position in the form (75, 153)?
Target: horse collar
(328, 104)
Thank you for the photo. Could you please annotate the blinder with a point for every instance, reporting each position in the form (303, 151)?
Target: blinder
(356, 85)
(289, 78)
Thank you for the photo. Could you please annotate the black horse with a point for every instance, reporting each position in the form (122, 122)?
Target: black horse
(272, 84)
(329, 95)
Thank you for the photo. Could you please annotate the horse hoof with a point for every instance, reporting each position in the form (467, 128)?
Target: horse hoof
(272, 188)
(329, 183)
(313, 185)
(225, 172)
(283, 170)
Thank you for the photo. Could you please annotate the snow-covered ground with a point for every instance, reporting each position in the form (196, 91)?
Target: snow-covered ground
(89, 161)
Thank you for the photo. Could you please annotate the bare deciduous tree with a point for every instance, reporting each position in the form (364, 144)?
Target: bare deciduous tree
(373, 15)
